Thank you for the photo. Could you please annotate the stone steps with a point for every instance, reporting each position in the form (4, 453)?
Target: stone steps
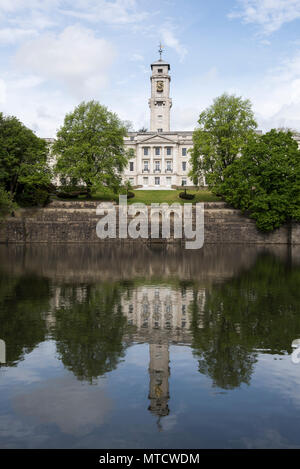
(93, 204)
(75, 204)
(86, 212)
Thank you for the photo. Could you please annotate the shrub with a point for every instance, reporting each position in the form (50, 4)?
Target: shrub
(186, 196)
(33, 196)
(71, 191)
(6, 203)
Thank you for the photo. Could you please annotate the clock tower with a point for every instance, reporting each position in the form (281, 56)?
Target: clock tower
(160, 102)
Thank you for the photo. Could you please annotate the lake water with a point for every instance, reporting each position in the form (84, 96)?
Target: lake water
(149, 347)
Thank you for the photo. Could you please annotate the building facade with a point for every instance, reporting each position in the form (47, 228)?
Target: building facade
(161, 157)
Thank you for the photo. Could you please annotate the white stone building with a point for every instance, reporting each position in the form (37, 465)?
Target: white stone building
(161, 157)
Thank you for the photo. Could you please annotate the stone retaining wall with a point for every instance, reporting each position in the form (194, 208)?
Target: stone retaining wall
(75, 222)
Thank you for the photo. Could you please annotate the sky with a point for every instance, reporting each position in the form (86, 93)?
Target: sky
(55, 54)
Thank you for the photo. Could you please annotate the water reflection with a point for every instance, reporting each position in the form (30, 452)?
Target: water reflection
(75, 410)
(228, 305)
(2, 351)
(89, 328)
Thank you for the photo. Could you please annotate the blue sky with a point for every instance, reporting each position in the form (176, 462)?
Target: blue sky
(56, 53)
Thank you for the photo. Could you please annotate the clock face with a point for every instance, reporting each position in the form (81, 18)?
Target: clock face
(160, 86)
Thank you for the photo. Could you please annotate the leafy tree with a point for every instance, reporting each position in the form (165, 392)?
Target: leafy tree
(6, 203)
(224, 128)
(23, 302)
(127, 187)
(265, 180)
(89, 334)
(90, 148)
(23, 158)
(253, 311)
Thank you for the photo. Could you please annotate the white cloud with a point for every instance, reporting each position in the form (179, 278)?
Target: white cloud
(29, 18)
(21, 19)
(184, 118)
(276, 98)
(269, 15)
(116, 12)
(169, 39)
(75, 57)
(9, 6)
(137, 58)
(13, 35)
(39, 108)
(76, 408)
(22, 83)
(2, 92)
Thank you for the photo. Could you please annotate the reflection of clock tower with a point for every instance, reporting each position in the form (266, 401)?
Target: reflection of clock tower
(159, 372)
(160, 102)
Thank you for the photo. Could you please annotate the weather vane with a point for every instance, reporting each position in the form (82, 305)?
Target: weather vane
(160, 50)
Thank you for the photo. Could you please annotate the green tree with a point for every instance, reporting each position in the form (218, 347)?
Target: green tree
(265, 180)
(127, 187)
(89, 334)
(6, 203)
(254, 311)
(23, 158)
(90, 148)
(23, 302)
(224, 128)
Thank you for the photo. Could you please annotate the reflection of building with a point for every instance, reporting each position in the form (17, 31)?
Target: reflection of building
(161, 316)
(159, 372)
(2, 351)
(159, 308)
(64, 297)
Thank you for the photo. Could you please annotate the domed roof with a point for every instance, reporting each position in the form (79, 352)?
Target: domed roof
(160, 62)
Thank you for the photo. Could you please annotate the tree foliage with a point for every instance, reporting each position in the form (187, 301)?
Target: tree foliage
(23, 159)
(89, 335)
(265, 180)
(224, 128)
(7, 205)
(253, 311)
(90, 148)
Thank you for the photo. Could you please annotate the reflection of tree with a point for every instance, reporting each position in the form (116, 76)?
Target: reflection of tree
(257, 310)
(23, 300)
(89, 334)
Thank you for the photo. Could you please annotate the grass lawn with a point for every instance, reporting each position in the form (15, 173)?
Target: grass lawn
(149, 197)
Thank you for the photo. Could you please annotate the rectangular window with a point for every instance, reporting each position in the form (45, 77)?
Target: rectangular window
(160, 70)
(183, 182)
(146, 165)
(169, 181)
(159, 103)
(146, 151)
(131, 180)
(184, 166)
(157, 181)
(169, 165)
(131, 138)
(131, 165)
(169, 151)
(157, 151)
(145, 181)
(183, 152)
(159, 130)
(157, 166)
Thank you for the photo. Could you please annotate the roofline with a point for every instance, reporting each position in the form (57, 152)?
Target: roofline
(160, 62)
